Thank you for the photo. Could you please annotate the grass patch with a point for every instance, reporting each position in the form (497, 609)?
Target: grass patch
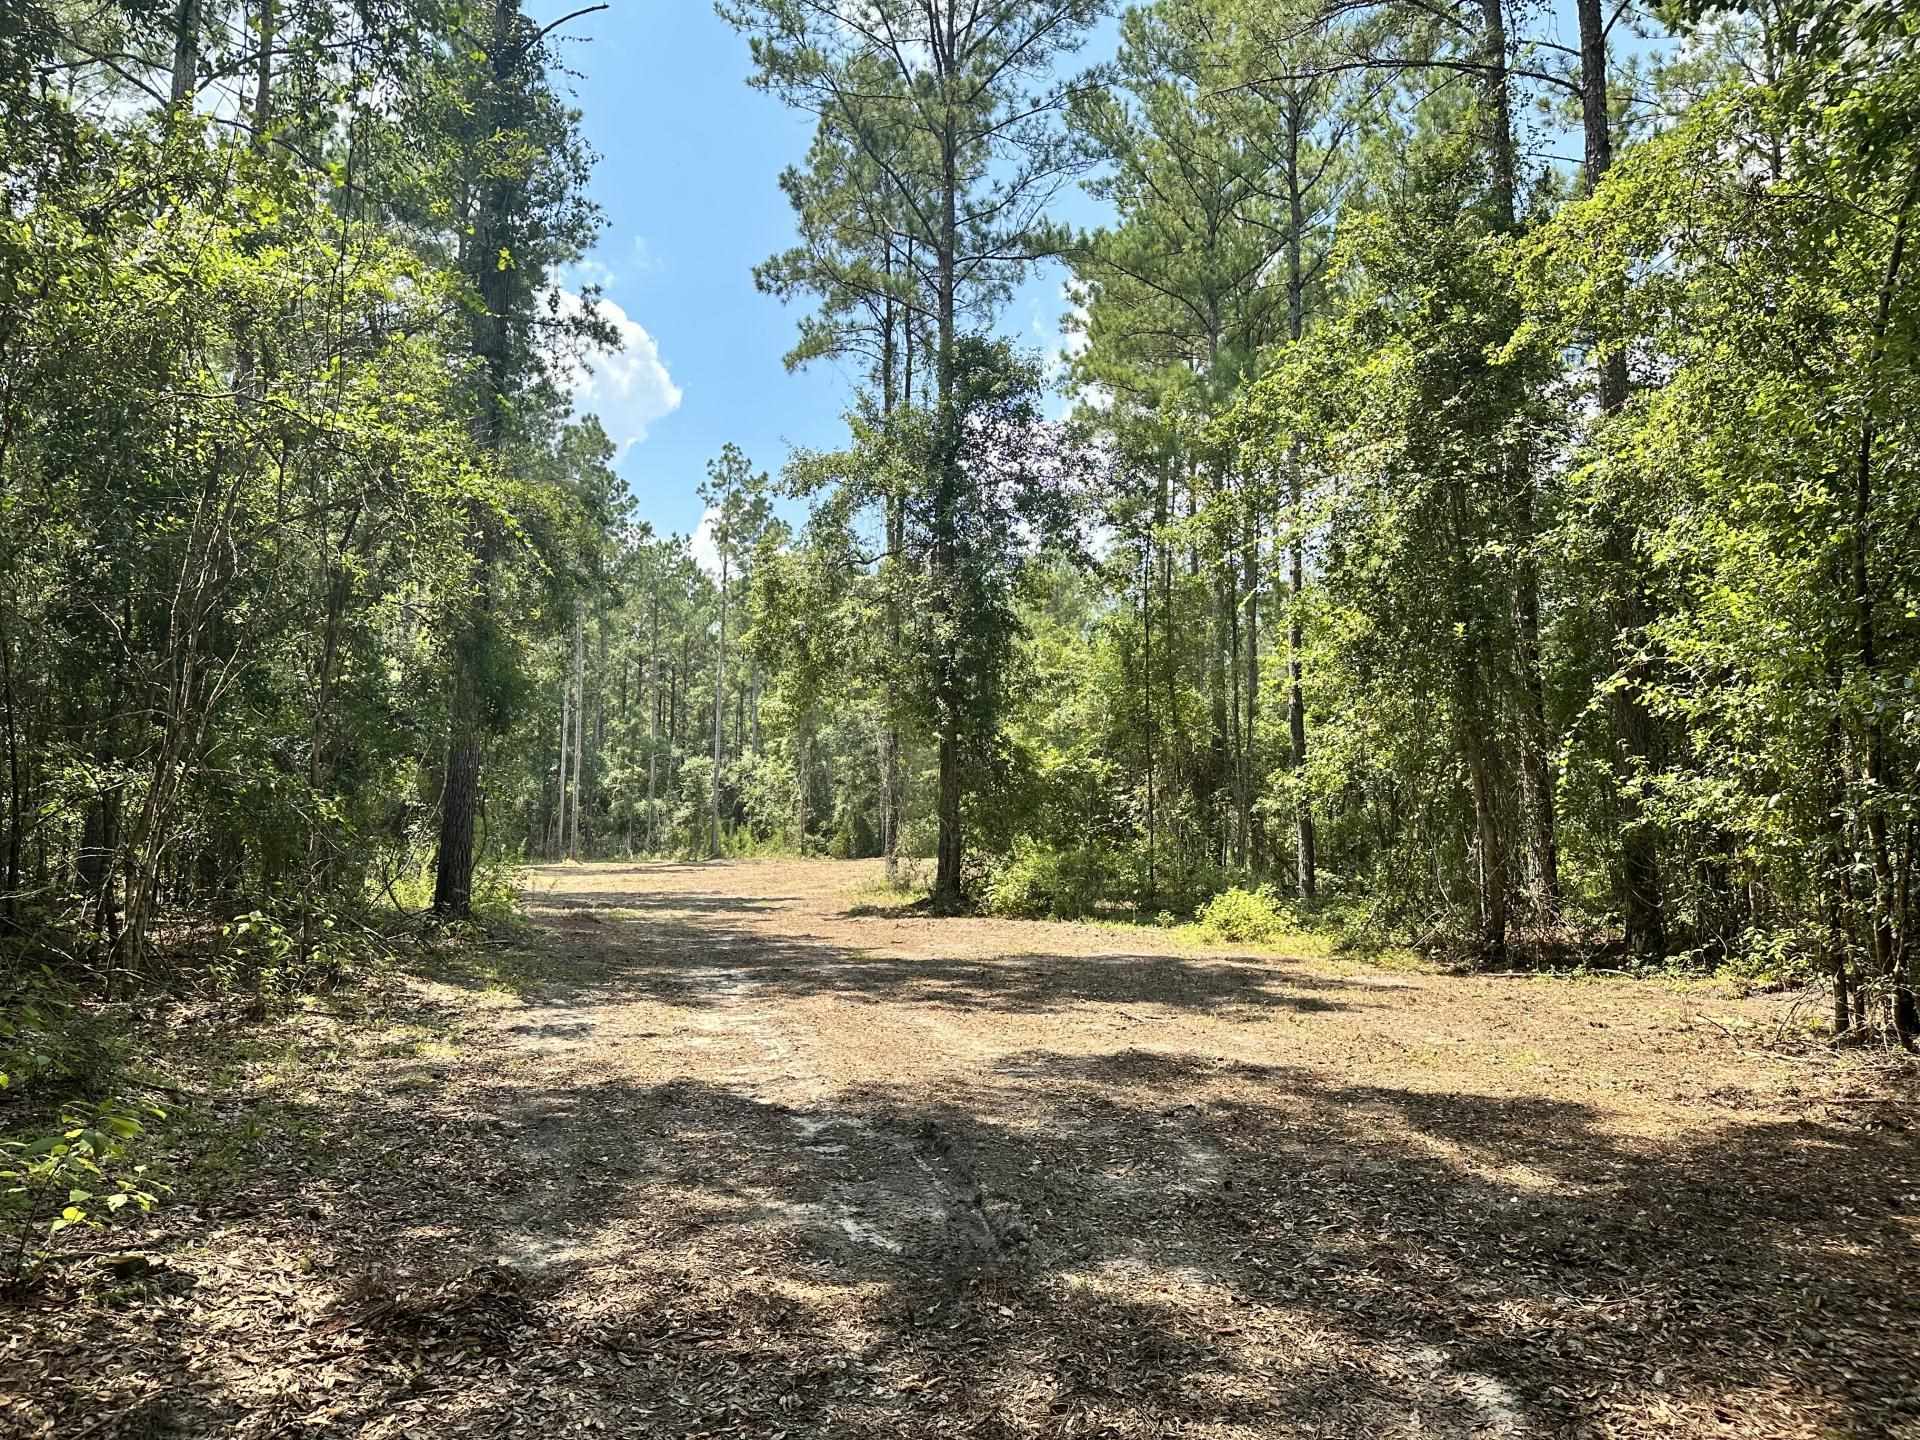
(881, 899)
(1302, 933)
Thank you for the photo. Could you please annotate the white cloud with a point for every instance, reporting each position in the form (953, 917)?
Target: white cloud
(628, 389)
(1068, 340)
(706, 554)
(588, 271)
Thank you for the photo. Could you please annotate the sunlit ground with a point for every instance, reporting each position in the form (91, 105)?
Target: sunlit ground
(707, 1152)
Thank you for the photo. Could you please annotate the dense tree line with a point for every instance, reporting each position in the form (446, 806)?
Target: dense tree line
(290, 491)
(1483, 544)
(1489, 547)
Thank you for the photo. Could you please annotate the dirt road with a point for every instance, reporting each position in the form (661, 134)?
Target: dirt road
(733, 1154)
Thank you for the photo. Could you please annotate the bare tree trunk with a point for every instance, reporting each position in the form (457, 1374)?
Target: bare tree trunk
(1497, 88)
(1146, 693)
(1220, 748)
(461, 798)
(1887, 955)
(15, 789)
(579, 711)
(948, 854)
(1305, 858)
(800, 786)
(186, 53)
(1237, 742)
(719, 700)
(1490, 843)
(653, 722)
(1174, 770)
(947, 858)
(559, 845)
(1536, 766)
(459, 807)
(1642, 899)
(263, 74)
(890, 731)
(1253, 688)
(892, 781)
(1306, 879)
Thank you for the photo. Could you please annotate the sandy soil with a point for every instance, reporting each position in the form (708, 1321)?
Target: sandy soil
(723, 1151)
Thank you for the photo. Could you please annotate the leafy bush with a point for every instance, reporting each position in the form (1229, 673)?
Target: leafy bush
(496, 896)
(1037, 883)
(919, 837)
(1769, 959)
(1244, 916)
(49, 1041)
(64, 1160)
(82, 1174)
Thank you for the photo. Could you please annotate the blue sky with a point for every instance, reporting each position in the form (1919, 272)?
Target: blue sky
(689, 179)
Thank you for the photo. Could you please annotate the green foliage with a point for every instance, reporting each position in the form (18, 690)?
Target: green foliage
(496, 894)
(1244, 917)
(1480, 551)
(81, 1174)
(1037, 883)
(51, 1041)
(287, 489)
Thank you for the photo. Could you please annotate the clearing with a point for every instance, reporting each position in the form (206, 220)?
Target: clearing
(719, 1150)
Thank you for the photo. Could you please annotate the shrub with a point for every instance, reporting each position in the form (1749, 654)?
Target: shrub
(80, 1175)
(1244, 916)
(50, 1042)
(1038, 883)
(65, 1158)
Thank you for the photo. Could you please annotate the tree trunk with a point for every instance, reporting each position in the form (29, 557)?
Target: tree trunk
(893, 781)
(1493, 851)
(1252, 557)
(1305, 878)
(1234, 821)
(653, 722)
(1536, 766)
(1304, 857)
(800, 790)
(557, 847)
(263, 74)
(461, 794)
(11, 895)
(1874, 771)
(1499, 96)
(1641, 890)
(186, 54)
(579, 712)
(459, 805)
(890, 729)
(1146, 691)
(946, 884)
(719, 702)
(1220, 747)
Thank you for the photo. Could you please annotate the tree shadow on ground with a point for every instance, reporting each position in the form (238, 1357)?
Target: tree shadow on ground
(620, 906)
(1175, 1243)
(610, 953)
(1129, 1243)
